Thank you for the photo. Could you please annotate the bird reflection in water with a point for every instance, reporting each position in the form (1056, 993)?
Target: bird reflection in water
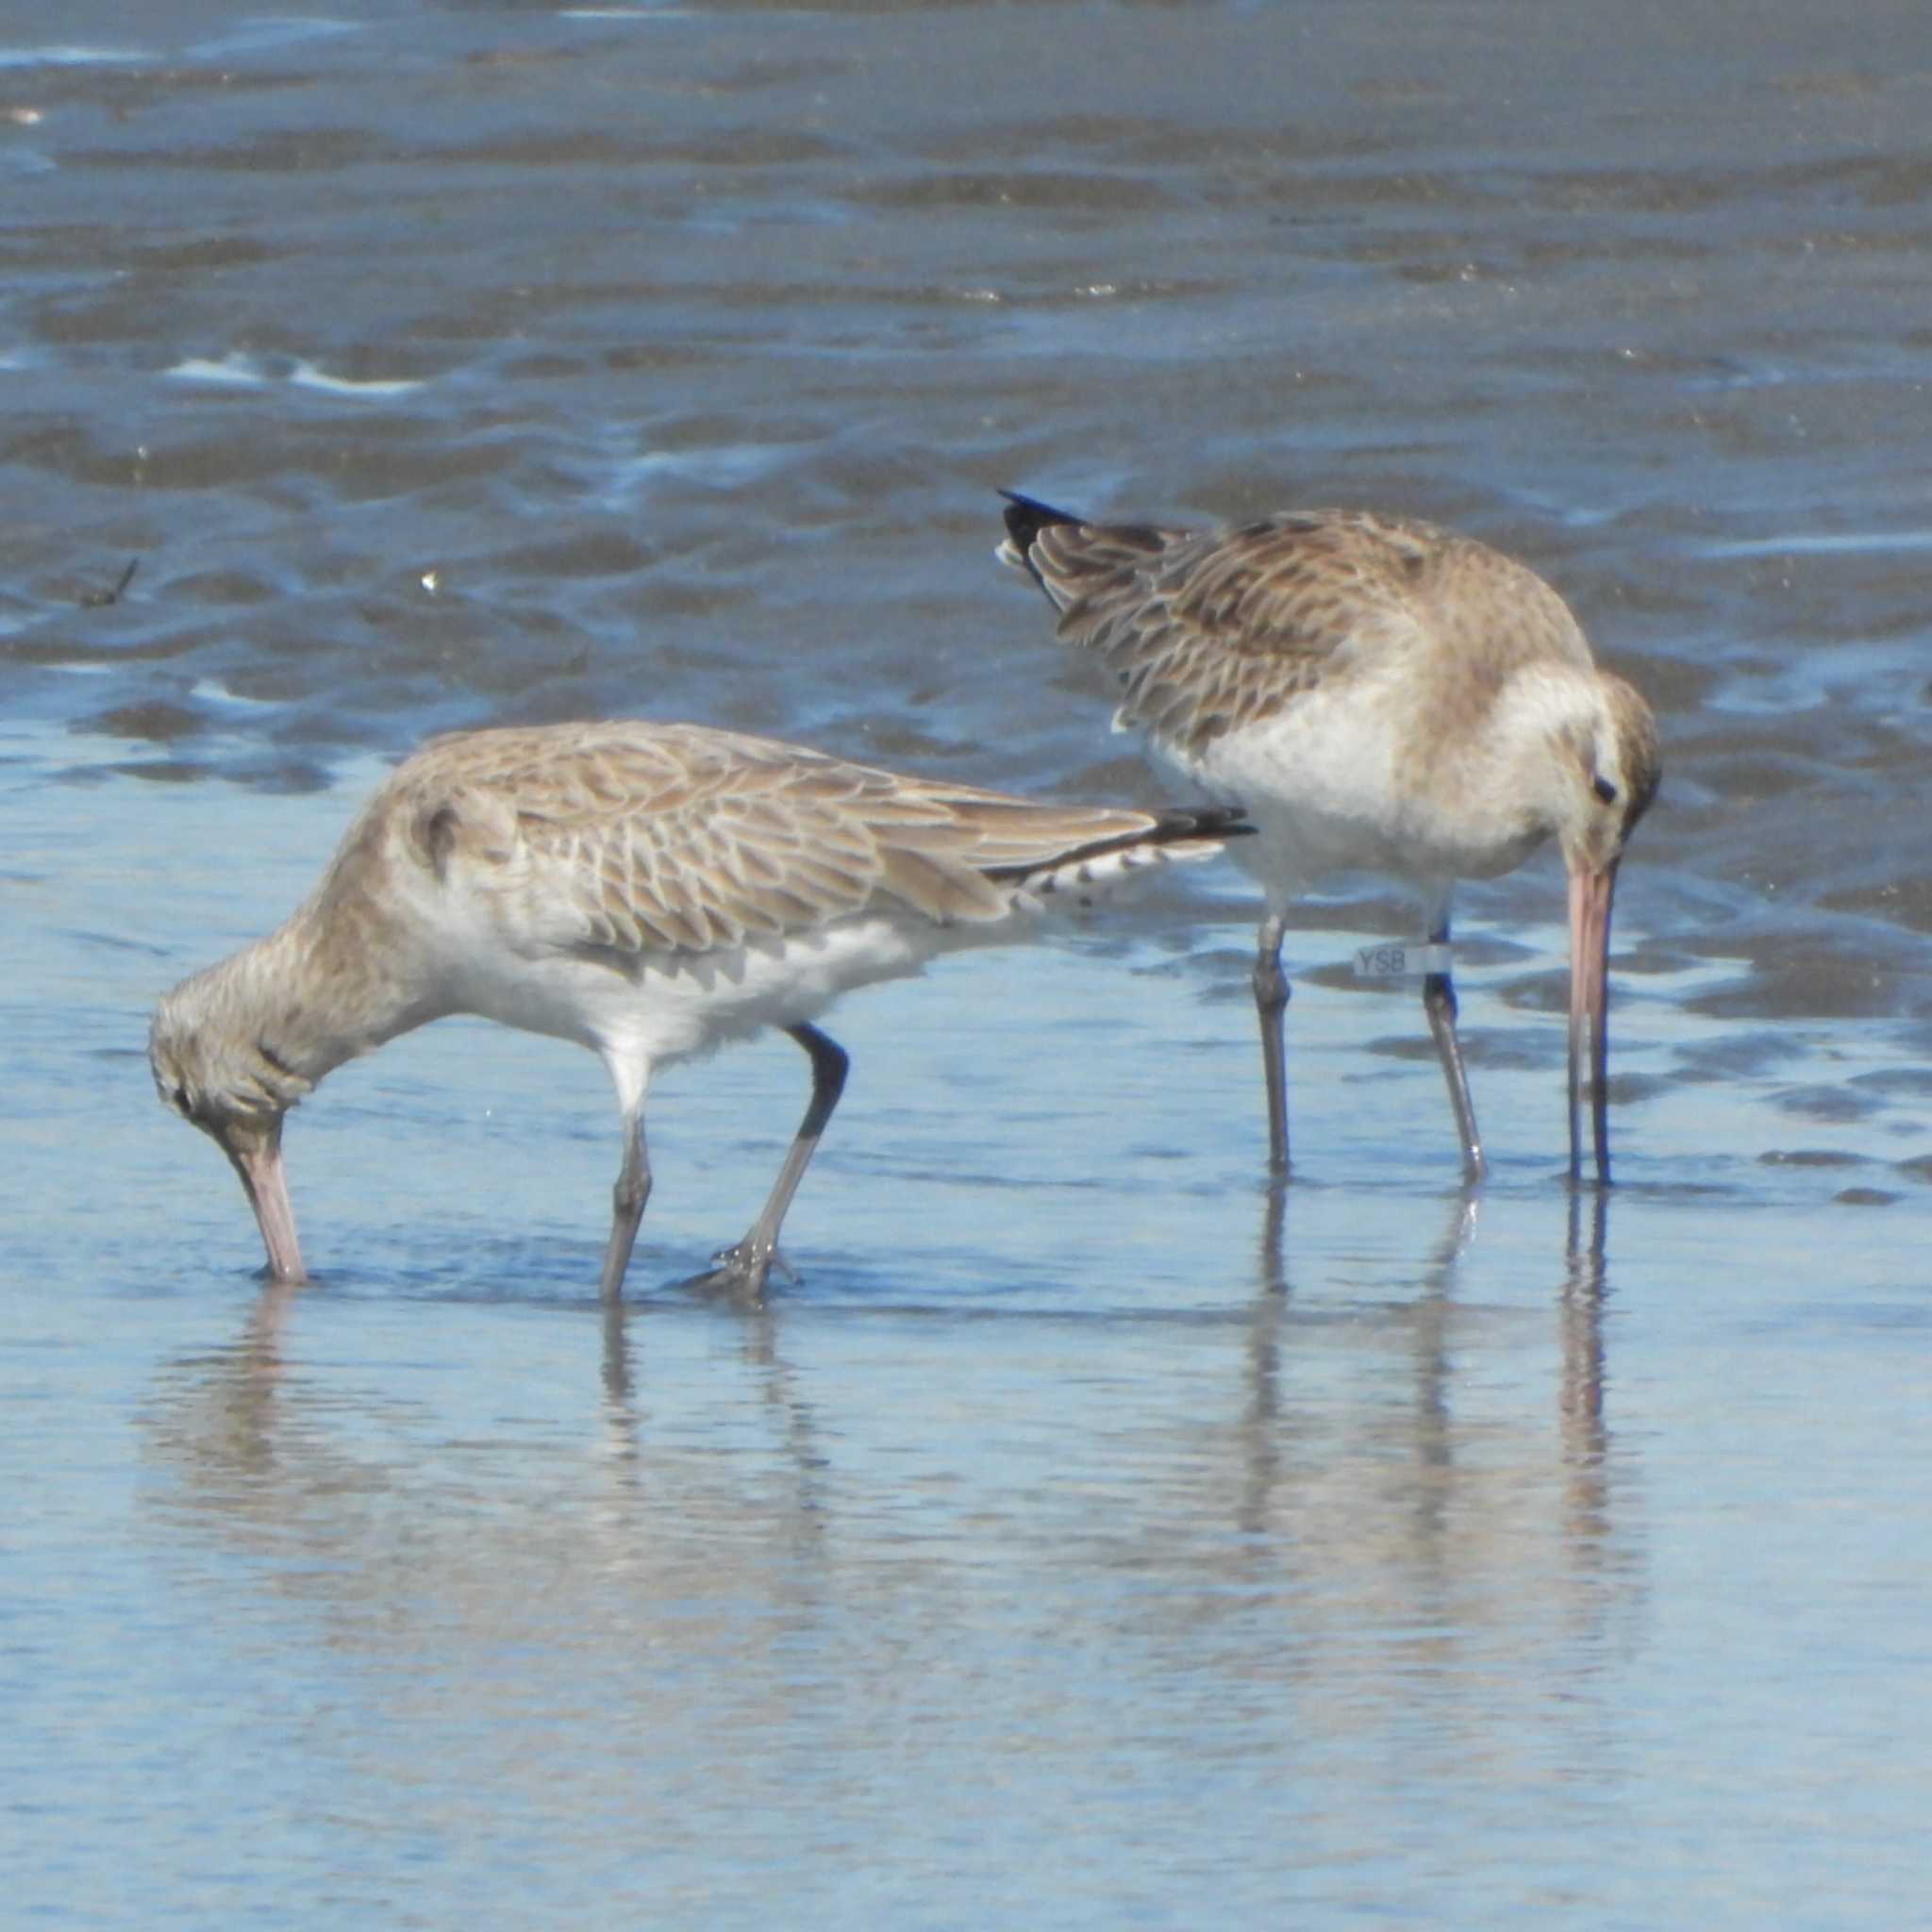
(1320, 1484)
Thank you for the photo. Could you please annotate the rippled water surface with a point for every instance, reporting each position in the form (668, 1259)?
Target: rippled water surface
(1086, 1536)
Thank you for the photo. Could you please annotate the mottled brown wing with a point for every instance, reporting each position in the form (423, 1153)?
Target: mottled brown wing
(1207, 631)
(638, 838)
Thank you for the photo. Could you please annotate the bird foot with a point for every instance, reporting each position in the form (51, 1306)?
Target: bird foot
(741, 1269)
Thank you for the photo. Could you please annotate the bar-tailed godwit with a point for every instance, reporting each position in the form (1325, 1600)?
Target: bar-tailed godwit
(1380, 695)
(648, 890)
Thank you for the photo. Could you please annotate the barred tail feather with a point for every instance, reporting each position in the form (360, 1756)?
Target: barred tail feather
(1182, 835)
(1026, 516)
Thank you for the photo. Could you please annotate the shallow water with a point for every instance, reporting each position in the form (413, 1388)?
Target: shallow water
(1086, 1536)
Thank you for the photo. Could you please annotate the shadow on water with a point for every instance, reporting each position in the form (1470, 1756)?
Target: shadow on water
(1585, 1434)
(1583, 1325)
(353, 1460)
(231, 1425)
(1427, 1319)
(1305, 1466)
(1382, 1502)
(775, 1379)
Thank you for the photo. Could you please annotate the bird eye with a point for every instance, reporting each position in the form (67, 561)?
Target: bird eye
(1604, 789)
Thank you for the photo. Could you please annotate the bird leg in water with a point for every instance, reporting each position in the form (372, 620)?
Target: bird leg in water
(743, 1268)
(1270, 1002)
(1439, 1003)
(628, 1200)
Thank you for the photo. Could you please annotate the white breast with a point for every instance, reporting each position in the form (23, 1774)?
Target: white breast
(671, 1005)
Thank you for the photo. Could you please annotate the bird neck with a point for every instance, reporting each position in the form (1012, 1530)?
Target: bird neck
(313, 994)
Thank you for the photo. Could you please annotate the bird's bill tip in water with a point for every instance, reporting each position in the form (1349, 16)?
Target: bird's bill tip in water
(259, 1164)
(1591, 892)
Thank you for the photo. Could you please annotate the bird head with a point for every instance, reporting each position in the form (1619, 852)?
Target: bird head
(1608, 766)
(209, 1069)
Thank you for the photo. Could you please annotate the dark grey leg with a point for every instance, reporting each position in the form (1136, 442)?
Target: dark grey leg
(1439, 1002)
(628, 1200)
(1270, 1002)
(744, 1267)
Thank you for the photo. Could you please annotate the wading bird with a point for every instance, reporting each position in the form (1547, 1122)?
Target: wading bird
(647, 891)
(1378, 696)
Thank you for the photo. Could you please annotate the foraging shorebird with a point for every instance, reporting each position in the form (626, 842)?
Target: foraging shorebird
(1380, 695)
(648, 890)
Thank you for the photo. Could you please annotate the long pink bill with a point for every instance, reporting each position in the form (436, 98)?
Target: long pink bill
(1589, 958)
(267, 1185)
